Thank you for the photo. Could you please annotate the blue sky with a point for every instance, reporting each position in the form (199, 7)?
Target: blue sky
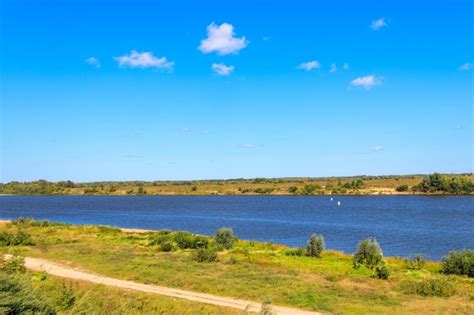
(122, 90)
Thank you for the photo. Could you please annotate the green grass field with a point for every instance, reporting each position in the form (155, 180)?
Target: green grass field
(63, 296)
(250, 270)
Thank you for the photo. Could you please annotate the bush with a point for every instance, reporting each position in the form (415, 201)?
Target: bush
(315, 245)
(13, 264)
(43, 223)
(292, 189)
(187, 240)
(17, 239)
(311, 188)
(368, 253)
(430, 287)
(382, 272)
(295, 251)
(225, 237)
(417, 262)
(6, 238)
(158, 239)
(183, 239)
(167, 247)
(205, 255)
(22, 221)
(459, 263)
(16, 298)
(200, 242)
(22, 238)
(402, 188)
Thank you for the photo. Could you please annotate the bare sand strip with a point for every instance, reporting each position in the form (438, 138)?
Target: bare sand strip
(55, 269)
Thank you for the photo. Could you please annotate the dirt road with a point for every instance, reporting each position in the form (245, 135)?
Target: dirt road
(58, 270)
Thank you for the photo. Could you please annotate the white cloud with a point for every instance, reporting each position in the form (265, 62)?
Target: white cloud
(378, 24)
(133, 156)
(222, 69)
(248, 146)
(221, 39)
(144, 59)
(367, 82)
(310, 65)
(377, 148)
(93, 61)
(466, 67)
(185, 130)
(334, 67)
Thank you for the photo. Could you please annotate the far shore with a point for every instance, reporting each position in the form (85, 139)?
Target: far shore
(126, 230)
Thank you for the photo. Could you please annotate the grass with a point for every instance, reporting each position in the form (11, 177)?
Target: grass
(63, 296)
(254, 271)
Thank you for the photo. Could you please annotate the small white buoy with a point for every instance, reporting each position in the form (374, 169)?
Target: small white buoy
(338, 203)
(332, 198)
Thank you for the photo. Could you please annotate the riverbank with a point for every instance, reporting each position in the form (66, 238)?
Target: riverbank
(358, 185)
(251, 271)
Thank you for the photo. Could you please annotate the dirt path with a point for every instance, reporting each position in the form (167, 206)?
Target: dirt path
(65, 272)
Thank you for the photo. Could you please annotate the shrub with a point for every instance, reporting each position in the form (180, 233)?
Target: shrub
(21, 221)
(158, 239)
(315, 245)
(368, 253)
(22, 238)
(382, 272)
(417, 262)
(15, 239)
(205, 255)
(430, 287)
(13, 264)
(295, 251)
(459, 263)
(402, 188)
(292, 189)
(183, 239)
(187, 240)
(167, 247)
(311, 188)
(200, 242)
(5, 238)
(16, 298)
(225, 237)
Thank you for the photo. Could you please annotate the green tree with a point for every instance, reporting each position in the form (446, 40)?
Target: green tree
(315, 245)
(225, 237)
(459, 263)
(368, 253)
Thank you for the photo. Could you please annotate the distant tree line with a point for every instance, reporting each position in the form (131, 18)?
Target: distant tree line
(435, 183)
(439, 183)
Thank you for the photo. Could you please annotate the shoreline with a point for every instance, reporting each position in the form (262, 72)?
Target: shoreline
(142, 231)
(244, 195)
